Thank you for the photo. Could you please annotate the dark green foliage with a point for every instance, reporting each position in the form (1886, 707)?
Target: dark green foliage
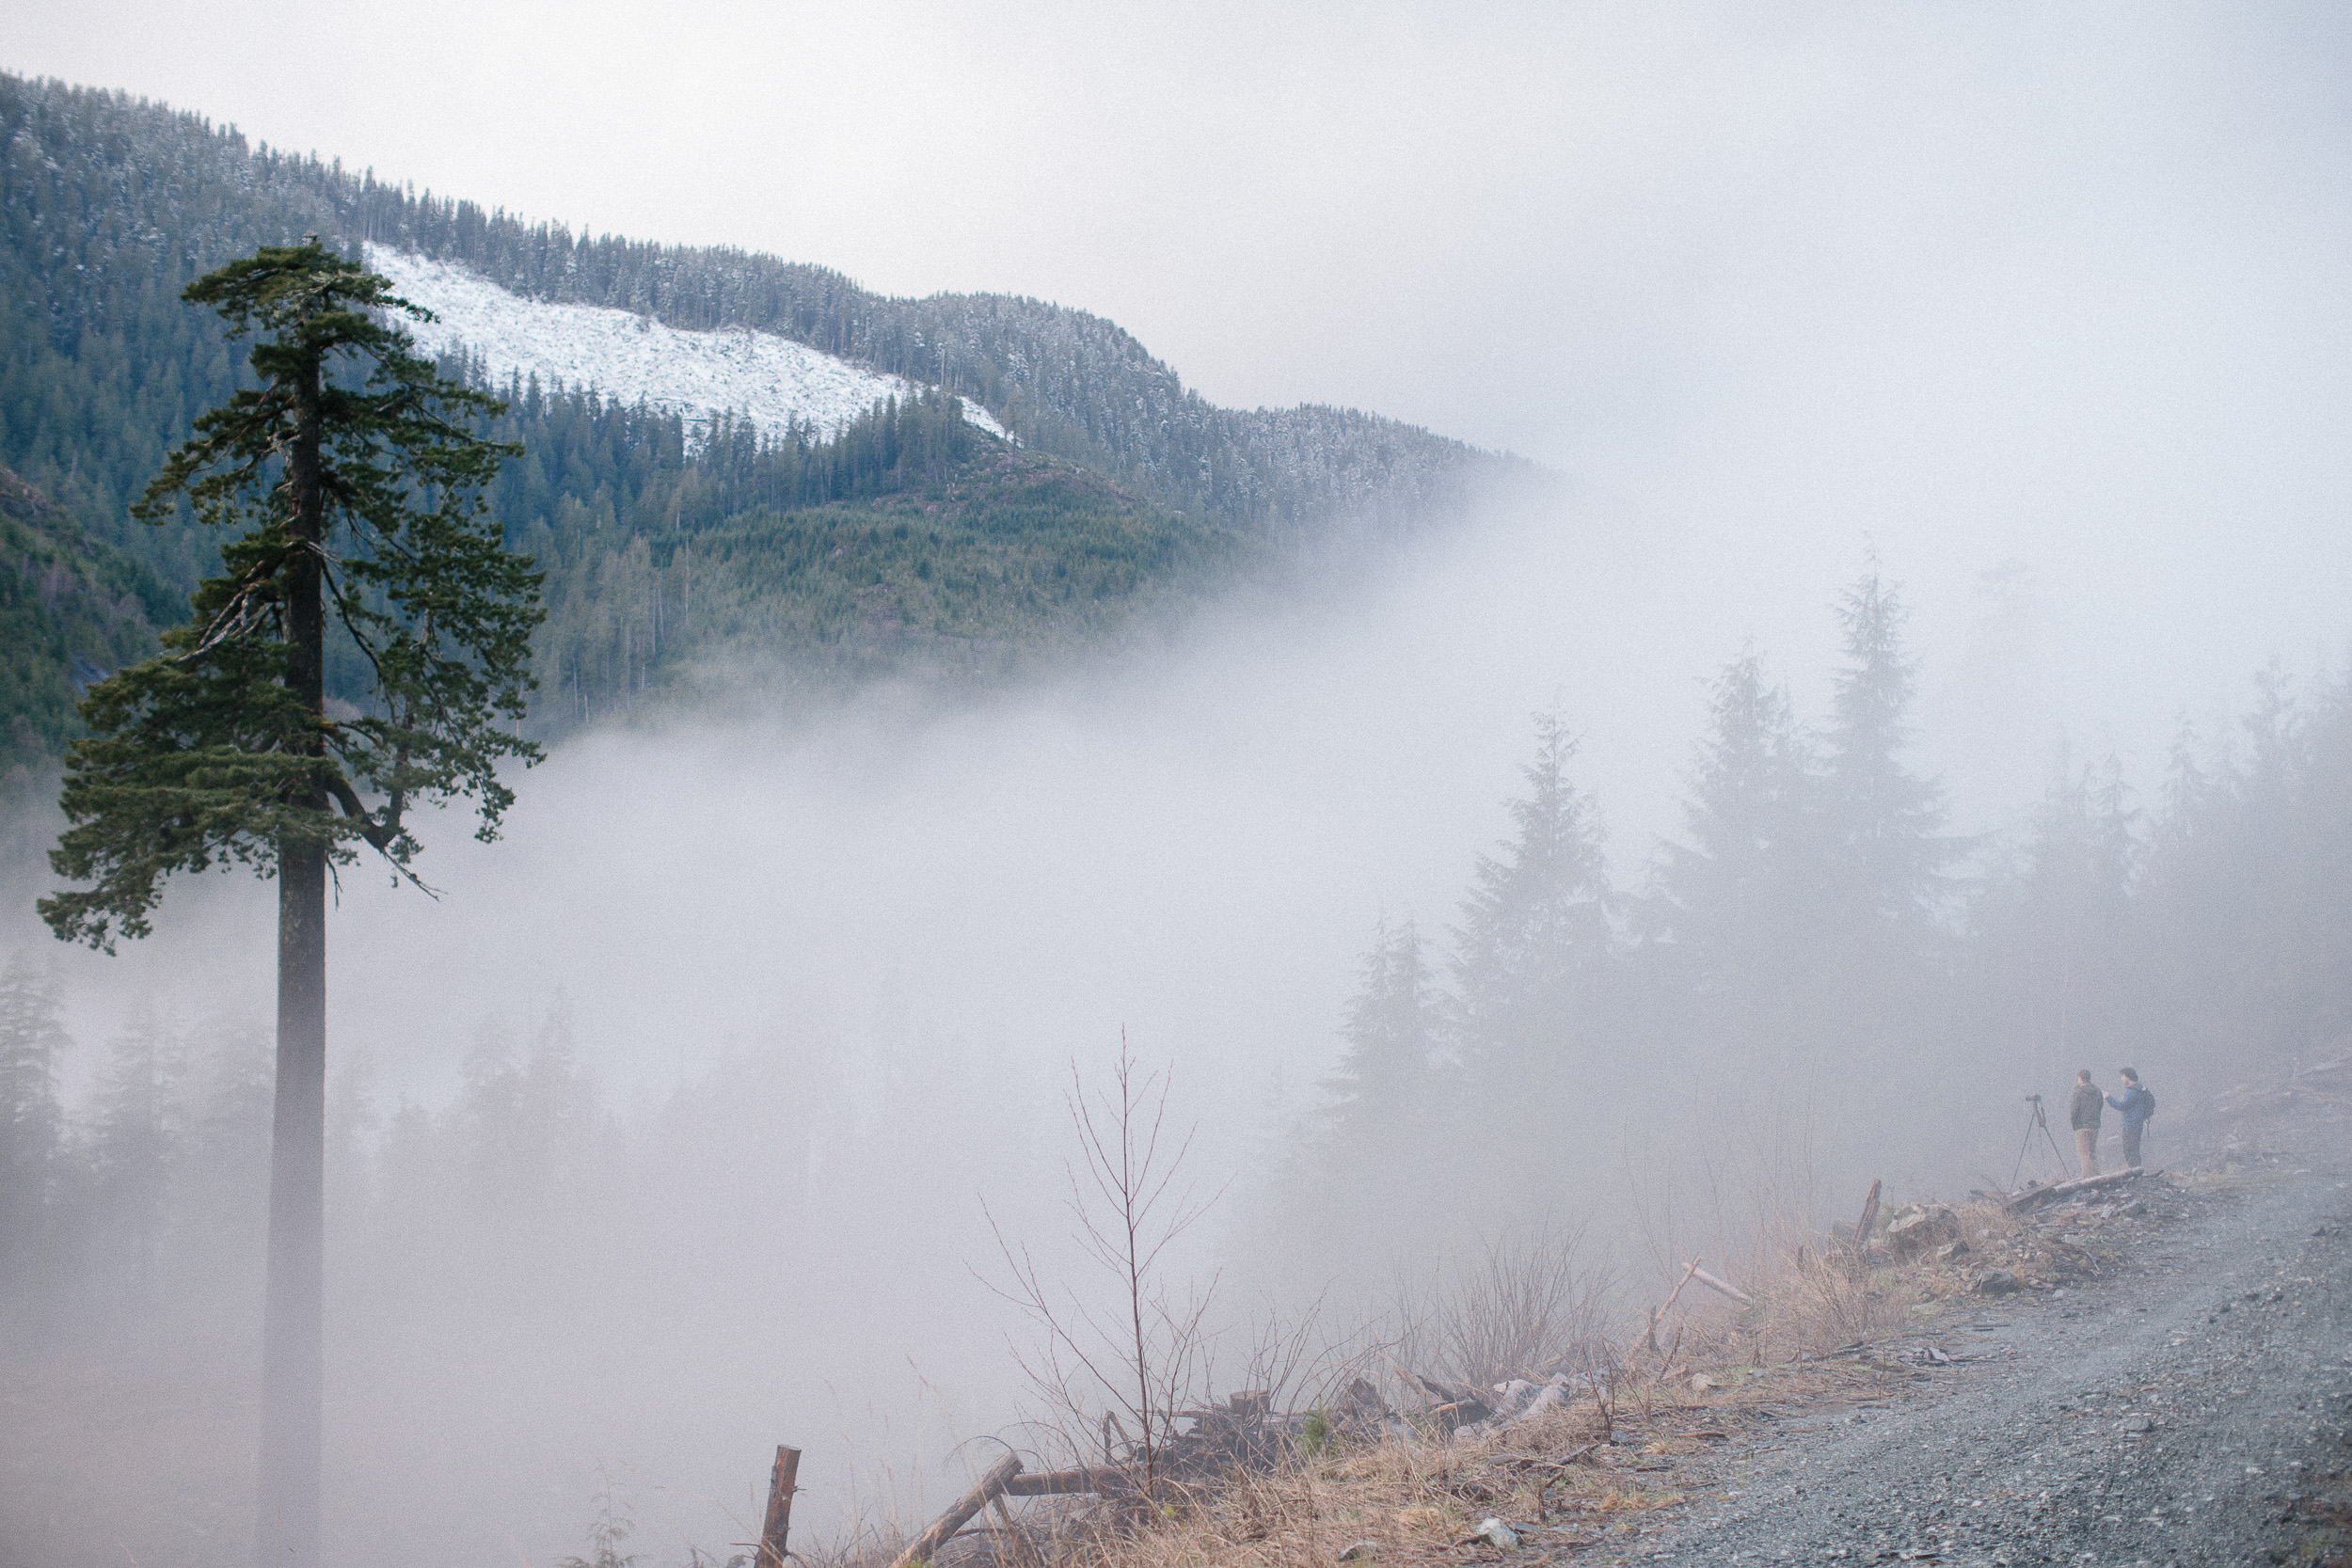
(910, 544)
(349, 472)
(71, 609)
(112, 203)
(109, 205)
(108, 208)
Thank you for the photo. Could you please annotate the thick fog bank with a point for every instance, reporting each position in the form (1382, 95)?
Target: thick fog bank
(1193, 842)
(663, 1134)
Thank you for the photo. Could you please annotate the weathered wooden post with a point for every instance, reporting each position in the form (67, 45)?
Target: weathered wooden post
(1869, 1220)
(1860, 1264)
(782, 1483)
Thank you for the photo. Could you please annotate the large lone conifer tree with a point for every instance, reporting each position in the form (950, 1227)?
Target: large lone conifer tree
(347, 483)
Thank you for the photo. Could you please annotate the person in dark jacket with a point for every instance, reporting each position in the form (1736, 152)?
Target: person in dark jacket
(2136, 1105)
(2083, 1112)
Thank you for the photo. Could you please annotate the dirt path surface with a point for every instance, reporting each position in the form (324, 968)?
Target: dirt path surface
(2191, 1411)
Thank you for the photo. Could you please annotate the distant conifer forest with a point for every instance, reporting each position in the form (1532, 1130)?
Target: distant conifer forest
(904, 542)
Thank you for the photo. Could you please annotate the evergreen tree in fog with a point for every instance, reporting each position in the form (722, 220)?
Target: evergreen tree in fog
(1535, 931)
(1885, 853)
(1533, 960)
(31, 1039)
(137, 1138)
(2246, 930)
(2054, 934)
(221, 1198)
(1736, 897)
(344, 490)
(1386, 1121)
(1382, 1088)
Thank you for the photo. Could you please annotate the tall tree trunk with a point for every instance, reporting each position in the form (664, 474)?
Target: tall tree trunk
(292, 1313)
(293, 1305)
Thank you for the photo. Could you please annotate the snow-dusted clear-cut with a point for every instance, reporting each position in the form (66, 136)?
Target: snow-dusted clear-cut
(698, 375)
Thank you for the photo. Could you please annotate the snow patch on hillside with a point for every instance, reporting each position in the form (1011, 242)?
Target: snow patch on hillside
(698, 375)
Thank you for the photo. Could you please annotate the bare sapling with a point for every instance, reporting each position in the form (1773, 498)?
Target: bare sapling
(1143, 1352)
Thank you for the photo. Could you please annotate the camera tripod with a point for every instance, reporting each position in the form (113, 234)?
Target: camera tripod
(2036, 1119)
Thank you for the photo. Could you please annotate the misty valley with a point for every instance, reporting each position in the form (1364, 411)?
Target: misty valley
(660, 855)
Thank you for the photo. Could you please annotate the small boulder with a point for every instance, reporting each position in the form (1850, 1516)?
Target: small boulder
(1996, 1282)
(1701, 1383)
(1551, 1396)
(1950, 1251)
(1496, 1533)
(1917, 1227)
(1513, 1395)
(1359, 1551)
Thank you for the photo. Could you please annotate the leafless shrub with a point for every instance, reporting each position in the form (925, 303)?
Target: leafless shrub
(1118, 1372)
(1524, 1306)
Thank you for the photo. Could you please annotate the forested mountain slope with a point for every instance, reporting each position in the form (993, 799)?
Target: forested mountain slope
(912, 542)
(1131, 490)
(71, 609)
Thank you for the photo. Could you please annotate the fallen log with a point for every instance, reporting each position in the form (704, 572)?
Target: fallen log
(984, 1491)
(1649, 1335)
(2031, 1196)
(1018, 1544)
(1062, 1484)
(1725, 1286)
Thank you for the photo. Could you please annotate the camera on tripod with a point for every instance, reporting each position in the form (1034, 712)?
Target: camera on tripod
(2036, 1120)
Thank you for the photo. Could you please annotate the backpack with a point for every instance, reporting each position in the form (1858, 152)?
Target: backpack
(2147, 1105)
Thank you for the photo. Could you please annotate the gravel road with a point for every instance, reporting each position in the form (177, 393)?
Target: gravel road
(2191, 1411)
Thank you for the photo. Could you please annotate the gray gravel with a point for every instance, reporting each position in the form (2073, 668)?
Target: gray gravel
(2191, 1411)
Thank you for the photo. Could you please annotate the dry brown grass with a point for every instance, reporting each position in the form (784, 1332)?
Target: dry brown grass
(1654, 1417)
(1419, 1503)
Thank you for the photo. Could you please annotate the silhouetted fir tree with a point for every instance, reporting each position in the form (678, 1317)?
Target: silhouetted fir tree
(526, 1124)
(1738, 895)
(1380, 1097)
(487, 1122)
(1533, 1018)
(2251, 922)
(2054, 934)
(1364, 1176)
(2323, 860)
(222, 1194)
(1886, 854)
(346, 481)
(32, 1037)
(138, 1139)
(1535, 924)
(2182, 793)
(351, 1119)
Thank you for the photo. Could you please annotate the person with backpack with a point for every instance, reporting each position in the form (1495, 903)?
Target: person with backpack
(2083, 1112)
(2137, 1105)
